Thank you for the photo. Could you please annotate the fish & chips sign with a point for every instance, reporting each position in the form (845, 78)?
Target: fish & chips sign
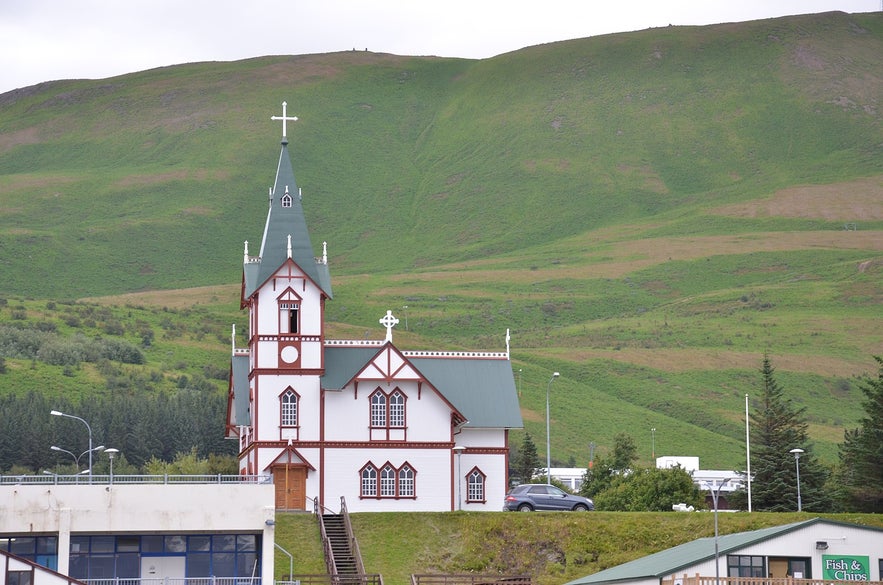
(846, 568)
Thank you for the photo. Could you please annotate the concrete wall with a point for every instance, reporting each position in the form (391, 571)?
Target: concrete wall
(46, 508)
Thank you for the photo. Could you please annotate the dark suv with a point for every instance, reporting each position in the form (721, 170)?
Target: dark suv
(536, 496)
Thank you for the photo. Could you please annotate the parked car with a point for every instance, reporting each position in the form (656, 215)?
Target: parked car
(536, 496)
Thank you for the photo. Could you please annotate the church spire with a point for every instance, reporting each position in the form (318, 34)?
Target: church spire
(285, 231)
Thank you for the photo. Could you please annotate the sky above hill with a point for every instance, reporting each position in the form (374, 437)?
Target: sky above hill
(45, 40)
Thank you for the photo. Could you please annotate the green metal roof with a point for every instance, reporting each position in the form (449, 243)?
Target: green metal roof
(673, 560)
(281, 223)
(481, 389)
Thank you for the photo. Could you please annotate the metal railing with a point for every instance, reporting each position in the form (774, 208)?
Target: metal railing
(712, 580)
(470, 579)
(177, 581)
(83, 479)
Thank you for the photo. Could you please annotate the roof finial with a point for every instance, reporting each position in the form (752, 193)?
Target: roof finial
(245, 253)
(324, 252)
(289, 245)
(285, 118)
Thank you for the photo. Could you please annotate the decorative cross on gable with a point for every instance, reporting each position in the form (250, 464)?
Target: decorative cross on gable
(389, 322)
(285, 118)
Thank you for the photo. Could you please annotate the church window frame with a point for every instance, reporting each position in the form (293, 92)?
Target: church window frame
(388, 475)
(388, 482)
(407, 481)
(369, 481)
(289, 317)
(388, 411)
(286, 200)
(289, 407)
(378, 409)
(476, 483)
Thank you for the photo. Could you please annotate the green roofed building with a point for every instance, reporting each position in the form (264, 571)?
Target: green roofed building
(816, 549)
(385, 428)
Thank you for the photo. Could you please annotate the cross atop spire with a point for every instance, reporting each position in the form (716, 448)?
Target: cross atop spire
(389, 321)
(285, 119)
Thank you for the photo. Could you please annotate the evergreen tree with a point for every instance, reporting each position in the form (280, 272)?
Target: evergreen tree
(778, 427)
(860, 476)
(601, 474)
(526, 461)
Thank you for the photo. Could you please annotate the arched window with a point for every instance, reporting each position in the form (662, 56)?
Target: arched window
(397, 410)
(288, 408)
(369, 481)
(406, 482)
(378, 409)
(388, 481)
(475, 486)
(286, 200)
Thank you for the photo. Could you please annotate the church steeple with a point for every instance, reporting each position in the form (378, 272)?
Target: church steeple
(285, 231)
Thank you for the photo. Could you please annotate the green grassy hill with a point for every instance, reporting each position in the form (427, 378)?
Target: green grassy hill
(551, 547)
(647, 212)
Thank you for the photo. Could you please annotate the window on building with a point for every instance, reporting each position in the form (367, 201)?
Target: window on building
(388, 482)
(119, 557)
(42, 550)
(475, 486)
(397, 410)
(288, 408)
(369, 481)
(286, 200)
(406, 482)
(378, 409)
(745, 566)
(288, 318)
(19, 577)
(388, 411)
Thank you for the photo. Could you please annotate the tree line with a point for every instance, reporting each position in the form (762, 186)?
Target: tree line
(779, 427)
(146, 428)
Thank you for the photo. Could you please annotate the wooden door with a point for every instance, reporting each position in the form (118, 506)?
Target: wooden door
(291, 487)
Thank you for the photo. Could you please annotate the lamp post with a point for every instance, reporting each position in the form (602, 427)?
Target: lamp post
(797, 453)
(74, 455)
(715, 492)
(653, 445)
(405, 311)
(548, 431)
(111, 453)
(57, 413)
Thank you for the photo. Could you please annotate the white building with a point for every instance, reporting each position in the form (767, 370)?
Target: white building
(385, 428)
(815, 549)
(218, 527)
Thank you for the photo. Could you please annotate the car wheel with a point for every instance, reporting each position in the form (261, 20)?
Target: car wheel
(525, 508)
(580, 508)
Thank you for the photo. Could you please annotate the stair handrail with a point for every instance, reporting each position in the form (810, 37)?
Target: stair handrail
(354, 544)
(330, 565)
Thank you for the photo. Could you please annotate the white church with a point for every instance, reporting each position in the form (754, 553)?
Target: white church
(386, 429)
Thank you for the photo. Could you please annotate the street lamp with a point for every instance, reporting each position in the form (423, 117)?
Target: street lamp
(715, 492)
(57, 413)
(797, 453)
(405, 311)
(653, 445)
(548, 431)
(74, 455)
(111, 453)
